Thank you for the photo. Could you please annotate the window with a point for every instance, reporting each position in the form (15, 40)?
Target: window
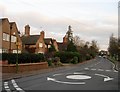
(15, 51)
(4, 51)
(40, 45)
(13, 38)
(49, 46)
(6, 37)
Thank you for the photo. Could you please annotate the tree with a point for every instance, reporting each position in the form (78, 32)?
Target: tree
(69, 34)
(113, 46)
(71, 47)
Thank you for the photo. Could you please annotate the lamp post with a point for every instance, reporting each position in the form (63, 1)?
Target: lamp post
(10, 39)
(17, 44)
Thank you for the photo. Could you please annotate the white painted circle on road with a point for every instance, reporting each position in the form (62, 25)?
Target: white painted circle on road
(80, 77)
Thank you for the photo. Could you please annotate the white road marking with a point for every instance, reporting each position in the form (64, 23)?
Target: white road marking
(6, 86)
(78, 73)
(86, 68)
(107, 78)
(93, 69)
(52, 79)
(80, 77)
(56, 74)
(16, 86)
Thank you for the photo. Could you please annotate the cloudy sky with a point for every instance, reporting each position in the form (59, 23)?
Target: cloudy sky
(90, 19)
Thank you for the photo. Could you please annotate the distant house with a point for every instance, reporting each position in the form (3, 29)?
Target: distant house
(11, 42)
(33, 43)
(49, 42)
(36, 43)
(62, 46)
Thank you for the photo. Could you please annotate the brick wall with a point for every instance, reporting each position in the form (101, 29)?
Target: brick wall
(11, 68)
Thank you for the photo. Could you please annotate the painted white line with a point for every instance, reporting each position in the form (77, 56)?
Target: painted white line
(108, 70)
(56, 74)
(54, 80)
(19, 89)
(93, 69)
(78, 73)
(6, 86)
(100, 70)
(86, 68)
(80, 77)
(16, 86)
(107, 78)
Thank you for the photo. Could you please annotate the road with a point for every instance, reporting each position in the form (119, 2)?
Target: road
(97, 74)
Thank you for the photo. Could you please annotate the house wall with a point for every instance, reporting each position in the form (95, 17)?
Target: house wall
(13, 45)
(40, 40)
(55, 45)
(6, 29)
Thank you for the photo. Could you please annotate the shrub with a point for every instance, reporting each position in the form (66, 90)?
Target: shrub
(49, 62)
(75, 60)
(22, 58)
(66, 57)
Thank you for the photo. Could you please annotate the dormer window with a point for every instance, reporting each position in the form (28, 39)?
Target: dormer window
(40, 45)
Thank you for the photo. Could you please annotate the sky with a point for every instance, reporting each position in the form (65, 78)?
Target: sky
(89, 19)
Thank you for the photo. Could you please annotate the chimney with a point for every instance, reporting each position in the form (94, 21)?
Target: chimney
(65, 39)
(42, 34)
(27, 30)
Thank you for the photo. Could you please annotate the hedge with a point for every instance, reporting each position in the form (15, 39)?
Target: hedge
(22, 58)
(67, 57)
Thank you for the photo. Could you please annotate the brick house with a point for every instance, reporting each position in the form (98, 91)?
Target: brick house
(33, 43)
(11, 42)
(62, 46)
(36, 43)
(49, 42)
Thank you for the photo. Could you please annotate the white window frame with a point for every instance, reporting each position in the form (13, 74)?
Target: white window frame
(13, 38)
(40, 45)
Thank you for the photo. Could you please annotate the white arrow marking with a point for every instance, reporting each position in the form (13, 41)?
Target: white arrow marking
(48, 78)
(56, 74)
(52, 79)
(105, 79)
(108, 79)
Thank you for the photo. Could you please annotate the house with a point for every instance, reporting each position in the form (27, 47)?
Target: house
(49, 42)
(62, 46)
(33, 43)
(11, 42)
(36, 43)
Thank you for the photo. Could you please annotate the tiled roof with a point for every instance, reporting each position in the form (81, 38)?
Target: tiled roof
(29, 40)
(48, 40)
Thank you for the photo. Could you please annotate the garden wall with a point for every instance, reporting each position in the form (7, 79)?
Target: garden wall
(11, 68)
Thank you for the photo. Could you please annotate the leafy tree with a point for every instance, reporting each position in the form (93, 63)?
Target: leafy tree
(69, 34)
(113, 46)
(71, 47)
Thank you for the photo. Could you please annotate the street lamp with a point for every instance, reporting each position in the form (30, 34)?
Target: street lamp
(17, 44)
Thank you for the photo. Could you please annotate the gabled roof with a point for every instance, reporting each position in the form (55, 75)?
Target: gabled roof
(47, 41)
(30, 40)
